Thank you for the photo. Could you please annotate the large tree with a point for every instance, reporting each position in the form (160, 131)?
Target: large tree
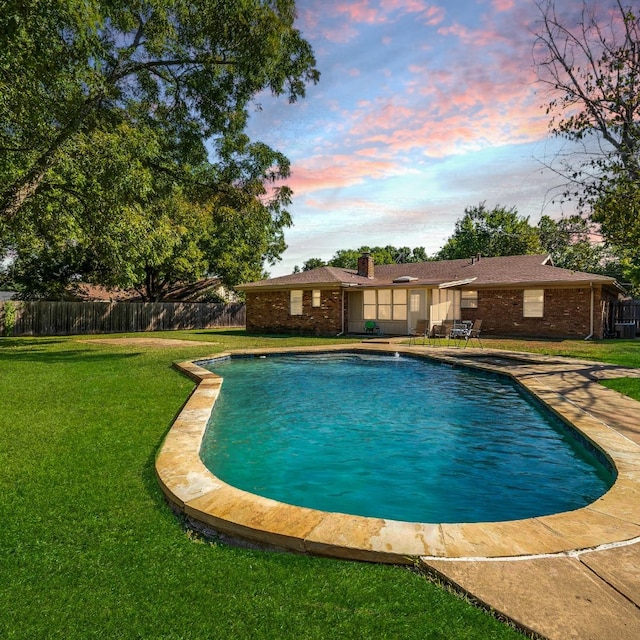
(490, 232)
(590, 64)
(129, 226)
(618, 212)
(123, 153)
(73, 66)
(591, 67)
(569, 242)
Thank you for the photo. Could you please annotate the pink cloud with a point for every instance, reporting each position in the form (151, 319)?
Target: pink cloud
(384, 116)
(434, 15)
(462, 109)
(335, 172)
(474, 37)
(370, 152)
(458, 132)
(503, 5)
(409, 6)
(340, 33)
(481, 95)
(360, 11)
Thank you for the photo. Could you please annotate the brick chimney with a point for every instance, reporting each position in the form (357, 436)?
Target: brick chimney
(365, 265)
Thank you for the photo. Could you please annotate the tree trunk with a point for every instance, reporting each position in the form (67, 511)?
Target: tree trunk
(22, 189)
(14, 197)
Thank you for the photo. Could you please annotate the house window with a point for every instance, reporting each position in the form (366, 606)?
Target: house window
(295, 303)
(469, 299)
(385, 304)
(399, 304)
(315, 298)
(370, 311)
(533, 303)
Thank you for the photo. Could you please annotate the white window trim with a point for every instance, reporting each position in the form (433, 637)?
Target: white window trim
(316, 298)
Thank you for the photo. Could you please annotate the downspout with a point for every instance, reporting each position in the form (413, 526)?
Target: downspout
(591, 320)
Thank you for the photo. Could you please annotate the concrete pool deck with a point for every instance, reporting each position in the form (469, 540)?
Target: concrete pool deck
(565, 575)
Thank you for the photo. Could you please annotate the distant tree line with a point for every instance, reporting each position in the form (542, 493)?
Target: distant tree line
(499, 232)
(348, 258)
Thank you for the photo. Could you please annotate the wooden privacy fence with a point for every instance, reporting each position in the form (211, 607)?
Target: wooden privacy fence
(626, 313)
(19, 318)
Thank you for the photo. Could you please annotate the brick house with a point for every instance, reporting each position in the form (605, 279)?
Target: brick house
(512, 295)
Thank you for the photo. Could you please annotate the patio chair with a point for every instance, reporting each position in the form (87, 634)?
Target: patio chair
(474, 332)
(441, 330)
(371, 327)
(421, 329)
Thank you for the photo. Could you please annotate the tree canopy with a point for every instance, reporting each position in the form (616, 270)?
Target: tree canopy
(348, 258)
(617, 211)
(490, 232)
(592, 72)
(188, 67)
(569, 243)
(122, 132)
(502, 232)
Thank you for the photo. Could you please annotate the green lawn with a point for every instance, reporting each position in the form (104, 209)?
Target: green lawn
(89, 548)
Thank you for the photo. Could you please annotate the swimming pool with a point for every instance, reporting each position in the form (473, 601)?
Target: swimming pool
(394, 437)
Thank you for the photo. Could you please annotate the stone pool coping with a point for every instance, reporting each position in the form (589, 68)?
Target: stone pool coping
(567, 386)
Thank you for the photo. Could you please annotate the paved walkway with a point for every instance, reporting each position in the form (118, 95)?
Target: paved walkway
(588, 595)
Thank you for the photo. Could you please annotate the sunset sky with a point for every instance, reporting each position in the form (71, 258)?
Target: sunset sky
(423, 108)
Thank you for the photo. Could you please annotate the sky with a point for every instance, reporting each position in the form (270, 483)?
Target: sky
(423, 108)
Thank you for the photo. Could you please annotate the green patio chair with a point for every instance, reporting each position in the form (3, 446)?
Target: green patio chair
(371, 327)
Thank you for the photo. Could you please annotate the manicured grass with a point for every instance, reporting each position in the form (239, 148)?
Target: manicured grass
(628, 386)
(89, 548)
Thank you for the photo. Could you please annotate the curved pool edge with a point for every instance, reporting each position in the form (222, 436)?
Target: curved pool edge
(568, 387)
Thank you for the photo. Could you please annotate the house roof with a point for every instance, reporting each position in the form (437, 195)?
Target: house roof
(527, 270)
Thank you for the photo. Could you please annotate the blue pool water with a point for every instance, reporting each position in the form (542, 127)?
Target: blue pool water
(394, 437)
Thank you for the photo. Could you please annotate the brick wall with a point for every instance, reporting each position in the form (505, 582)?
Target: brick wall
(567, 313)
(268, 312)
